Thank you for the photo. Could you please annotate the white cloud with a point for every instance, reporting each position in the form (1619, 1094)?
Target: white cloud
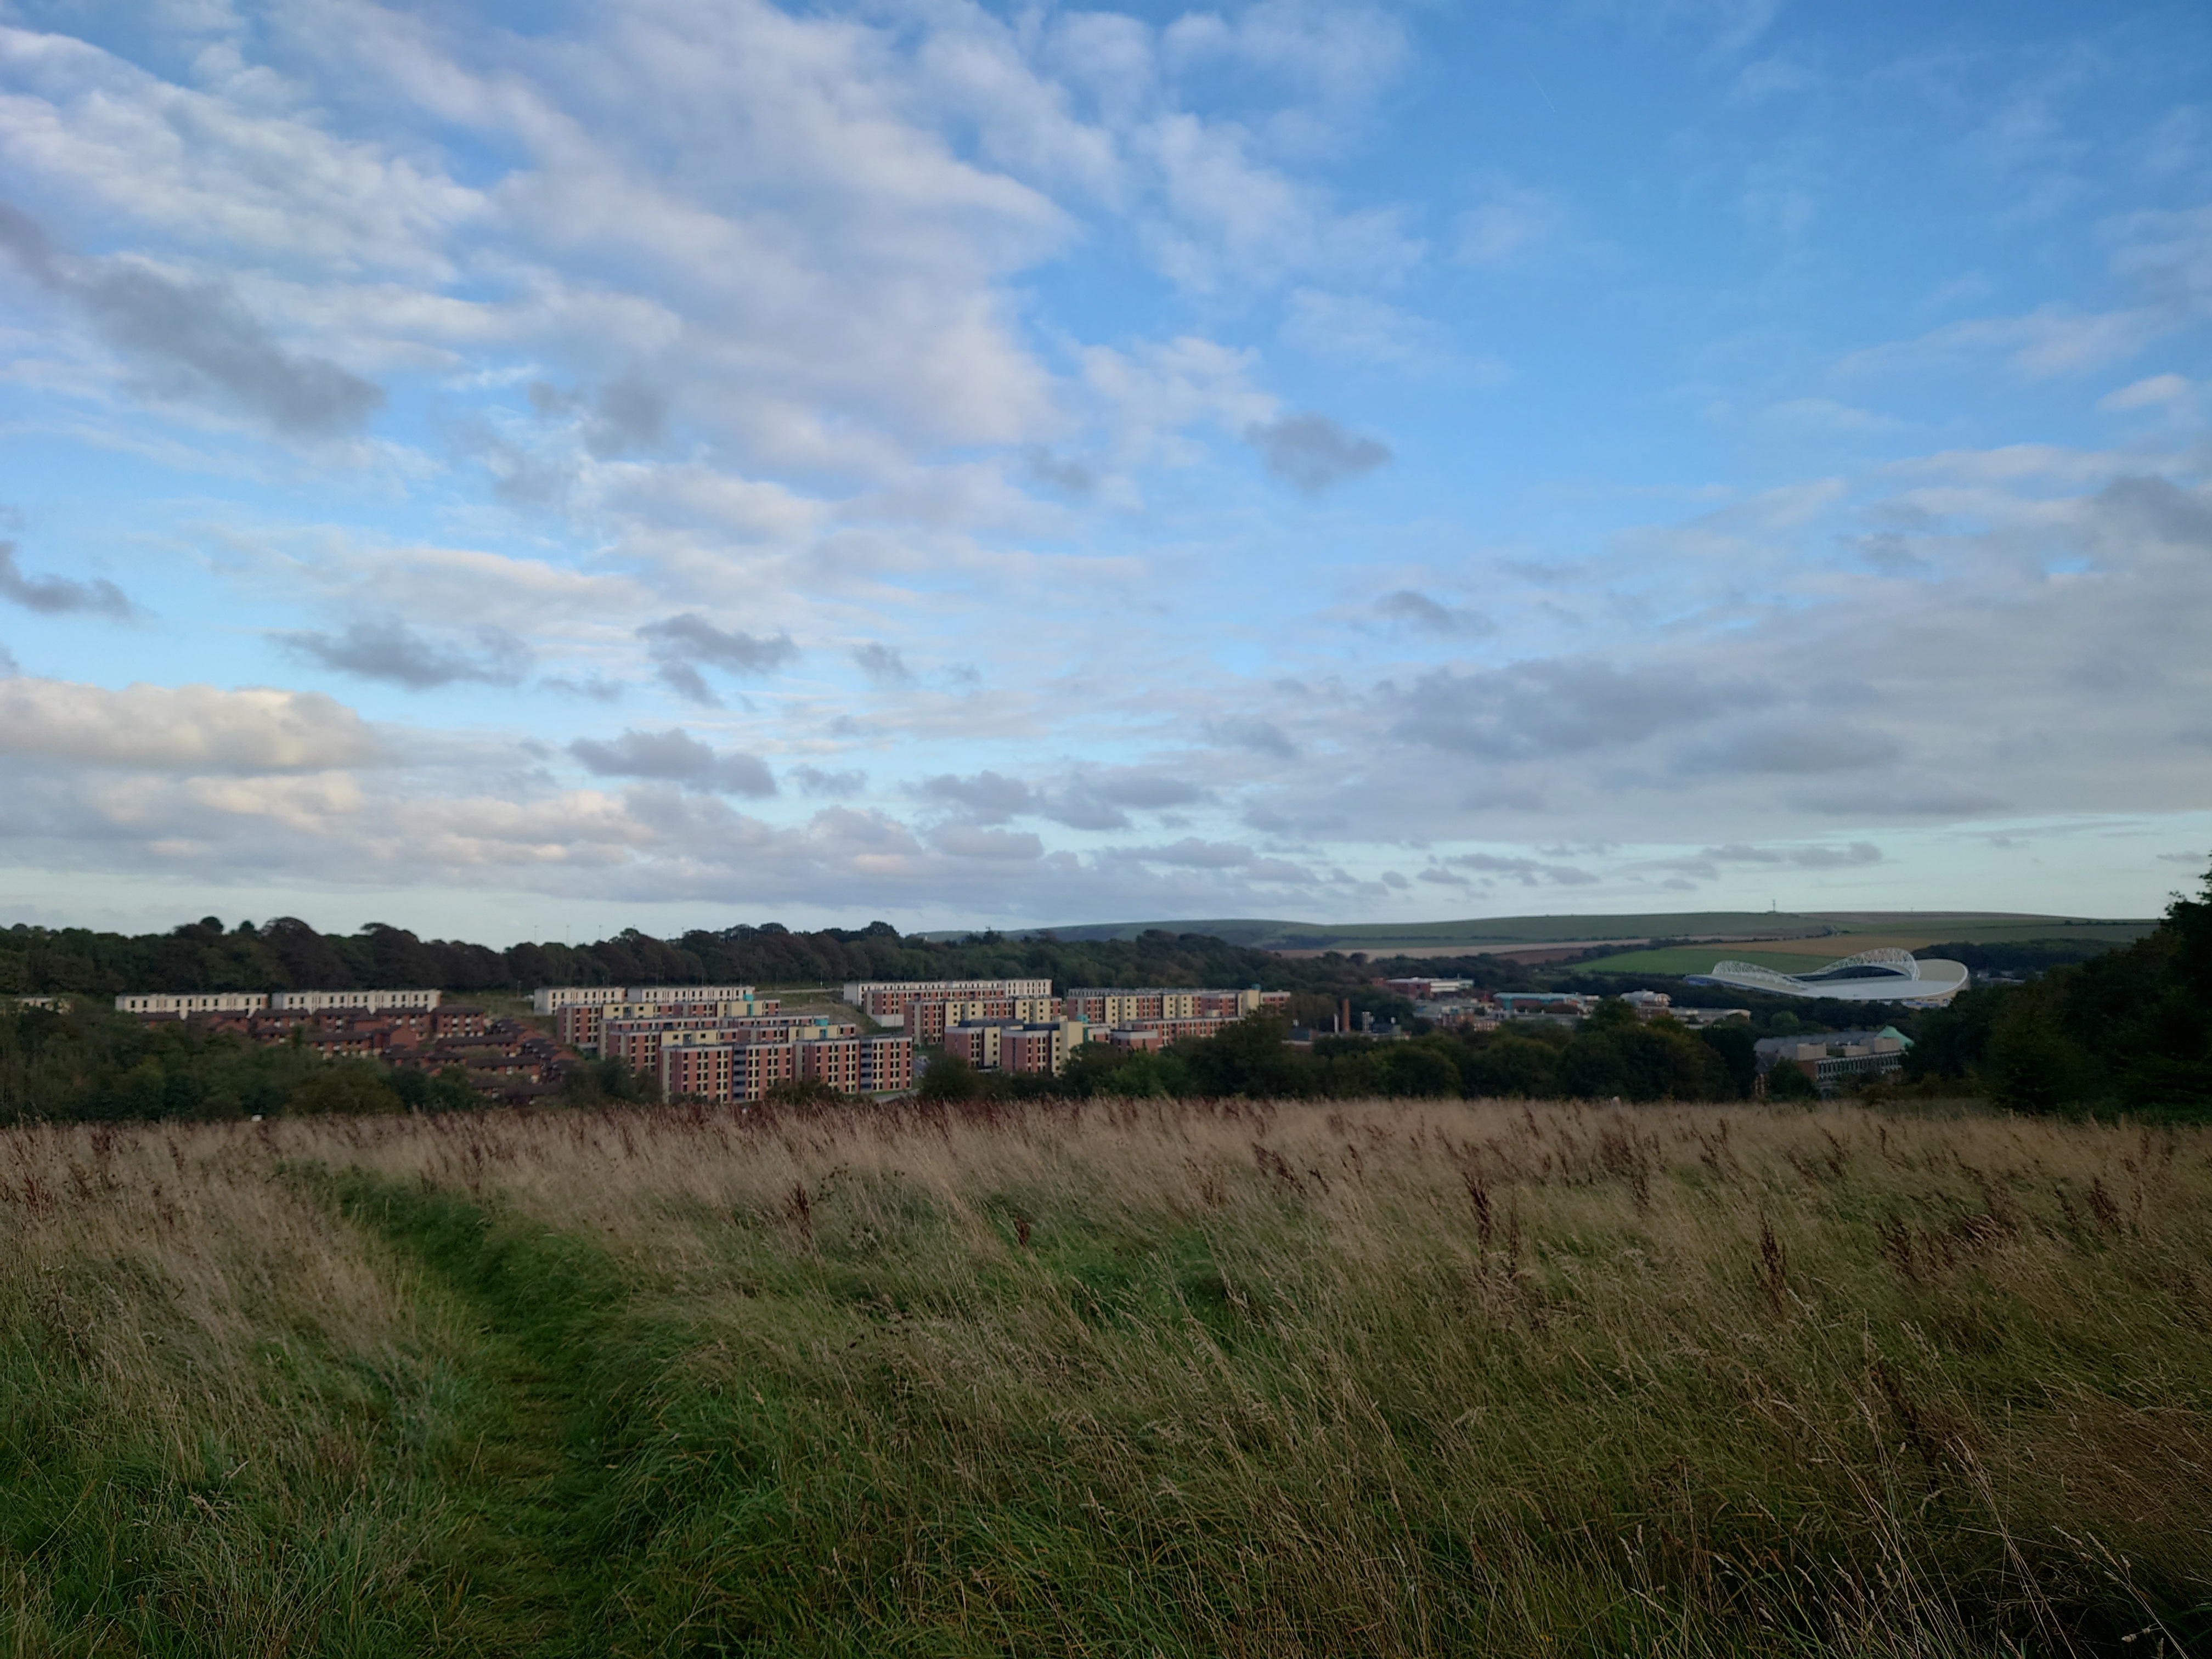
(100, 135)
(1354, 328)
(743, 355)
(2156, 391)
(189, 728)
(1507, 223)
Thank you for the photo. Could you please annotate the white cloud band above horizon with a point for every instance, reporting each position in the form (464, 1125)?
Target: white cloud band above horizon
(959, 466)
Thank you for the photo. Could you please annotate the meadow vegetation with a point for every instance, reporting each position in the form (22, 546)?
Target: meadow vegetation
(1119, 1376)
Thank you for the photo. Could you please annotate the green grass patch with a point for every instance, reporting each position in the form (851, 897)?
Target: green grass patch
(1147, 1381)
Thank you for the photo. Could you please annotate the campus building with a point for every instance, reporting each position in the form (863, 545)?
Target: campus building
(1831, 1059)
(637, 1041)
(888, 999)
(1556, 1005)
(578, 1023)
(745, 1066)
(295, 1003)
(206, 1002)
(1034, 1046)
(551, 999)
(928, 1019)
(1108, 1005)
(368, 1002)
(1428, 990)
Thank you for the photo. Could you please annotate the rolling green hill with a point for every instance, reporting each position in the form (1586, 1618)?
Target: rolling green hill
(1911, 929)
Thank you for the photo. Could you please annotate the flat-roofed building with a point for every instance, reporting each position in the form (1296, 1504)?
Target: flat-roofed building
(547, 998)
(551, 999)
(835, 1061)
(1181, 1030)
(1427, 990)
(1039, 1045)
(1101, 1004)
(637, 1042)
(747, 1066)
(887, 999)
(734, 1070)
(927, 1018)
(886, 1065)
(1832, 1058)
(1556, 1005)
(578, 1023)
(369, 1002)
(193, 1002)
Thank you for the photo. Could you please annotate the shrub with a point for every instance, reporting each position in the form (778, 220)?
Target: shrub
(345, 1086)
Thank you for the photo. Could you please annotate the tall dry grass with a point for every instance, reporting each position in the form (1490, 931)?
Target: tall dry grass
(1397, 1377)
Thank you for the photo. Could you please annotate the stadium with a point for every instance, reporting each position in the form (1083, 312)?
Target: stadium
(1885, 975)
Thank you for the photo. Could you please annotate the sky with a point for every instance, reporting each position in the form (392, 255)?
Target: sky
(521, 472)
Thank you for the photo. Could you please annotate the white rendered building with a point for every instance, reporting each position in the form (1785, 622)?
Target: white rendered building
(316, 1002)
(888, 998)
(194, 1002)
(550, 999)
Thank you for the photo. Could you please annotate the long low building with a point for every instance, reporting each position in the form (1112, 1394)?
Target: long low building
(370, 1001)
(1831, 1059)
(1882, 975)
(579, 1024)
(887, 999)
(374, 1002)
(192, 1002)
(551, 999)
(1106, 1004)
(927, 1021)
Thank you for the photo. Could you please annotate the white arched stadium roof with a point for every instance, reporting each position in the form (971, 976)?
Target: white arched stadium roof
(1883, 975)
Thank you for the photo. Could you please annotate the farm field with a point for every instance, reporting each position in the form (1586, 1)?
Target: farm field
(1481, 934)
(1133, 1378)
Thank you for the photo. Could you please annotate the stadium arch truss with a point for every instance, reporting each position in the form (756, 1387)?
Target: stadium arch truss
(1884, 976)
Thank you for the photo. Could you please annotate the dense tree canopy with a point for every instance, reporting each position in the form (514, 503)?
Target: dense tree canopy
(2128, 1031)
(287, 954)
(1615, 1055)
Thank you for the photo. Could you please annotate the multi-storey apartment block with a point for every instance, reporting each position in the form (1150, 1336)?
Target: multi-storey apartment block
(578, 1023)
(637, 1042)
(1107, 1006)
(1006, 1045)
(927, 1020)
(551, 999)
(747, 1066)
(888, 999)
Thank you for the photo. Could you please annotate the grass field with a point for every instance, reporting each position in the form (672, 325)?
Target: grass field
(1822, 930)
(1173, 1379)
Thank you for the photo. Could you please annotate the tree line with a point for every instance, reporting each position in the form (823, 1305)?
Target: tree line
(287, 954)
(1612, 1054)
(2128, 1031)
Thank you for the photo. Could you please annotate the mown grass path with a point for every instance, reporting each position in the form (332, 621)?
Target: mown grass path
(543, 1419)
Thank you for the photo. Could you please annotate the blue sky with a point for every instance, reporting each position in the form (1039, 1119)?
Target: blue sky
(528, 471)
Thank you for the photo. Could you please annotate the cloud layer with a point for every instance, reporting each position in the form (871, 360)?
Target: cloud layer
(1075, 463)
